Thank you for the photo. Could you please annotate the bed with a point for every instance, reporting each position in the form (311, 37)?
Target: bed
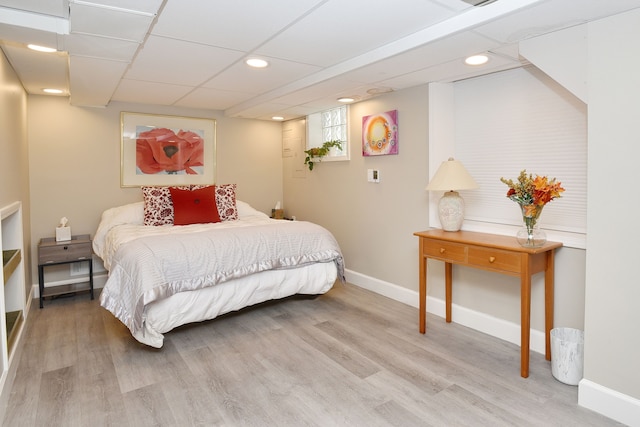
(164, 276)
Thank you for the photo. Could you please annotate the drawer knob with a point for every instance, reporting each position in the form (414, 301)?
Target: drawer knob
(442, 250)
(492, 259)
(66, 247)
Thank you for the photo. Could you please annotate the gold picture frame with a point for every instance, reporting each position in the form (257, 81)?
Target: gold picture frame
(161, 150)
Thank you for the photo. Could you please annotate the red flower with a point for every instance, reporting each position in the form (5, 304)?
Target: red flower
(161, 150)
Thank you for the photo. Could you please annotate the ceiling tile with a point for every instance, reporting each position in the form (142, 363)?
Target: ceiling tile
(214, 99)
(145, 6)
(243, 78)
(100, 47)
(93, 81)
(166, 60)
(149, 92)
(107, 22)
(59, 8)
(30, 61)
(238, 24)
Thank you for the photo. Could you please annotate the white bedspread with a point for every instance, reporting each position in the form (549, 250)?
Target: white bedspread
(148, 264)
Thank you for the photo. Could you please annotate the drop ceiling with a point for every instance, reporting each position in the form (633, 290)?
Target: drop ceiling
(191, 53)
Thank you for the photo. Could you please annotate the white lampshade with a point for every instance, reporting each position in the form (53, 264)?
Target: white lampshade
(449, 177)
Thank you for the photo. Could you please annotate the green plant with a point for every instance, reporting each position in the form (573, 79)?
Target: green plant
(319, 152)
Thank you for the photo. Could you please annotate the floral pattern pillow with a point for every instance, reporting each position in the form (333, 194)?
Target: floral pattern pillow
(158, 206)
(226, 202)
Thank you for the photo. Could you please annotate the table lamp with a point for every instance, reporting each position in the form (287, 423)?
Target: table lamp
(449, 177)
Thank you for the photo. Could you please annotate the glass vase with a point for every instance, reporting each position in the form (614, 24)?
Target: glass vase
(530, 235)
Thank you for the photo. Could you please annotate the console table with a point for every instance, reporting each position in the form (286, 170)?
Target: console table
(492, 252)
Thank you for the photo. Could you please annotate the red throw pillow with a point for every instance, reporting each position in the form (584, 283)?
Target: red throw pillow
(194, 206)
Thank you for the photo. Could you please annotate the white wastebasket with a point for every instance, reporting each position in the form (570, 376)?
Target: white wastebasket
(567, 355)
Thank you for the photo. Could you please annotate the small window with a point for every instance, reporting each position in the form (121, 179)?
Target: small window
(330, 125)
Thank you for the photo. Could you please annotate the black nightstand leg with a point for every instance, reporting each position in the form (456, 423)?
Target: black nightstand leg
(41, 283)
(91, 277)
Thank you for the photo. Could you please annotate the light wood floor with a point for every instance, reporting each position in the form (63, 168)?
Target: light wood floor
(347, 358)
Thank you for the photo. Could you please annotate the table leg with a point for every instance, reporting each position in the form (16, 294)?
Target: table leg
(448, 279)
(525, 314)
(548, 302)
(422, 323)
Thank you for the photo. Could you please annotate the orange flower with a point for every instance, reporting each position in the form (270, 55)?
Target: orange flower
(532, 193)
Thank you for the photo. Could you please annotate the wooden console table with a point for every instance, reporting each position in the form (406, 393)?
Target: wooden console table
(491, 252)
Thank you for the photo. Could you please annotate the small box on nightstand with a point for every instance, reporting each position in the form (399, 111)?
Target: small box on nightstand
(63, 234)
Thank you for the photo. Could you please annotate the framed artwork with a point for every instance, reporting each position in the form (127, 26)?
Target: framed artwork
(380, 134)
(166, 150)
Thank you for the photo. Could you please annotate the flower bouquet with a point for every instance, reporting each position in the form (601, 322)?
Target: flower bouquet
(532, 194)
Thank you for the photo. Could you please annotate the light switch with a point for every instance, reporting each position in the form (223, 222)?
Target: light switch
(373, 175)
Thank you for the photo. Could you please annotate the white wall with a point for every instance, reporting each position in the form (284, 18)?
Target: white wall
(75, 163)
(612, 347)
(14, 160)
(609, 64)
(373, 222)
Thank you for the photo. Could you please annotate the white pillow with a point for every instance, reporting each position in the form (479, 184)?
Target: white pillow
(132, 213)
(245, 210)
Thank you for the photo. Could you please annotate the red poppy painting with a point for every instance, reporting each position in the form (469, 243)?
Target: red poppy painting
(161, 150)
(167, 150)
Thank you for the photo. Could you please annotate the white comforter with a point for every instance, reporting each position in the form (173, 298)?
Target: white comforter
(149, 264)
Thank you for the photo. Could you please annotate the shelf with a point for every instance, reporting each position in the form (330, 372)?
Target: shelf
(66, 289)
(14, 320)
(10, 260)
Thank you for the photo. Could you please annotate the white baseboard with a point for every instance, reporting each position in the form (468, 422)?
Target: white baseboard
(482, 322)
(608, 402)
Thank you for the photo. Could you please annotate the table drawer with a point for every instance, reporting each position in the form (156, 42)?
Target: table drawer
(64, 252)
(494, 259)
(445, 251)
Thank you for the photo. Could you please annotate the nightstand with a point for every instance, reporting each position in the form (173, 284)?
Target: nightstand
(50, 252)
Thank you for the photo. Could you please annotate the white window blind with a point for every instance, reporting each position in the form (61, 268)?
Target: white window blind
(521, 119)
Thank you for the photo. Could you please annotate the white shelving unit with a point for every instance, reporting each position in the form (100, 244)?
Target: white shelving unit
(12, 299)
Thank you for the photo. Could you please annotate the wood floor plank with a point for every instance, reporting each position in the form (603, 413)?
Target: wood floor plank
(147, 406)
(58, 398)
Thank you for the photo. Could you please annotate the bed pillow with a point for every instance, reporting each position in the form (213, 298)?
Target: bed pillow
(194, 206)
(158, 209)
(226, 202)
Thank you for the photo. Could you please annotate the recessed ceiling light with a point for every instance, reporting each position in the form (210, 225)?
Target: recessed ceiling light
(277, 118)
(256, 63)
(53, 91)
(347, 99)
(41, 48)
(476, 60)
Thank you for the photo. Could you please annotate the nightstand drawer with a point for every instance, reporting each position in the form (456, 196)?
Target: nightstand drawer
(445, 251)
(77, 249)
(494, 259)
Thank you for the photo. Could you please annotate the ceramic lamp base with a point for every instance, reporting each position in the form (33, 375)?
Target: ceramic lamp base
(451, 211)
